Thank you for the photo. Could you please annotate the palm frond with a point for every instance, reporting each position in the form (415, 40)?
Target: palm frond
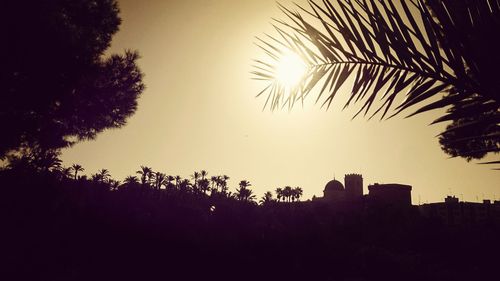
(391, 54)
(369, 43)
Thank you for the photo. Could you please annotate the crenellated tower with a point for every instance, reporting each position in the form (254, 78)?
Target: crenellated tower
(353, 185)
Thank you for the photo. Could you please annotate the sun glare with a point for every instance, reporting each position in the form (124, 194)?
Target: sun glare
(290, 70)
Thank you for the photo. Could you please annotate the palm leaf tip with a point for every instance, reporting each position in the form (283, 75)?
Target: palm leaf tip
(489, 163)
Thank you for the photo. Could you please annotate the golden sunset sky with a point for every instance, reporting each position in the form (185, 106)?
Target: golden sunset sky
(199, 111)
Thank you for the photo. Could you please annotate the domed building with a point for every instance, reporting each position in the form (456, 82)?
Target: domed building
(334, 191)
(352, 193)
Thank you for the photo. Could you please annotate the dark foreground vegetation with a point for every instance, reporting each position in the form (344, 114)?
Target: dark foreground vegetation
(64, 89)
(59, 228)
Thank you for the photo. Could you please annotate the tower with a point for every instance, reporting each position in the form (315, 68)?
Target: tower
(353, 185)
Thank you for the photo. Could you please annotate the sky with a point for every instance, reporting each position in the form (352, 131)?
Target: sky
(199, 111)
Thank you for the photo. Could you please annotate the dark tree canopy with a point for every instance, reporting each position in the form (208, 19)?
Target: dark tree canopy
(472, 32)
(56, 84)
(471, 137)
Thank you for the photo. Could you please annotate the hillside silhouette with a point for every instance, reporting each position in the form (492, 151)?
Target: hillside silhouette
(61, 226)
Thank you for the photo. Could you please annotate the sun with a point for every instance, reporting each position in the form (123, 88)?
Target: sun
(290, 70)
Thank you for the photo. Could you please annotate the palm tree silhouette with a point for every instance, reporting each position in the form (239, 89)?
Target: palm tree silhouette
(297, 193)
(113, 184)
(244, 184)
(267, 198)
(223, 184)
(66, 172)
(203, 174)
(243, 193)
(130, 180)
(146, 173)
(287, 193)
(279, 193)
(436, 53)
(203, 185)
(104, 175)
(77, 168)
(215, 180)
(97, 178)
(185, 186)
(177, 181)
(195, 177)
(159, 179)
(170, 179)
(45, 160)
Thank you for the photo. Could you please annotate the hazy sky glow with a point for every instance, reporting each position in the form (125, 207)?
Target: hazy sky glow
(290, 69)
(199, 111)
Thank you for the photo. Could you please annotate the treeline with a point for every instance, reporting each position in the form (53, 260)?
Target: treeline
(61, 225)
(199, 183)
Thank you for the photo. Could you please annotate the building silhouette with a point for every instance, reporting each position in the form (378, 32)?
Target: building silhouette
(397, 197)
(353, 186)
(453, 212)
(378, 194)
(335, 192)
(390, 194)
